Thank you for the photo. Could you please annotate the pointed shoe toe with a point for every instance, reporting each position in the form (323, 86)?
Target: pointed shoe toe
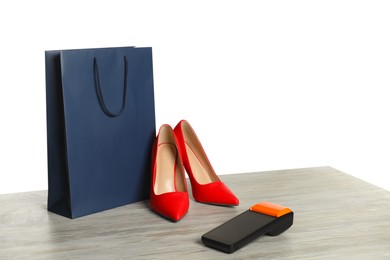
(216, 193)
(173, 205)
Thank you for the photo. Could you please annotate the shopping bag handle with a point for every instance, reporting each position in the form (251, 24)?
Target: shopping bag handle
(100, 94)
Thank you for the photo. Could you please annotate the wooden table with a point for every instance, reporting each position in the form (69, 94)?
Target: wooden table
(336, 216)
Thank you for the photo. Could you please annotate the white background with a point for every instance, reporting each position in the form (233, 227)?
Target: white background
(267, 85)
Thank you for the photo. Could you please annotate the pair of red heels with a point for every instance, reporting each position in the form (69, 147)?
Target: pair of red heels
(169, 194)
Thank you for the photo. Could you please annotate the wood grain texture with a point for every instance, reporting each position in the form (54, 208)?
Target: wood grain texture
(336, 217)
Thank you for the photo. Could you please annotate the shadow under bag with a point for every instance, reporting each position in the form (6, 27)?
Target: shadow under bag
(100, 128)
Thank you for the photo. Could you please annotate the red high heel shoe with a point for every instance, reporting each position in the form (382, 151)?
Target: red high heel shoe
(169, 193)
(206, 186)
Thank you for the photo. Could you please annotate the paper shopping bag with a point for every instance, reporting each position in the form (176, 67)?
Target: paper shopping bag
(100, 128)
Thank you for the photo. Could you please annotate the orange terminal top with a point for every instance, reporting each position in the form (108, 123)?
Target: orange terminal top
(270, 209)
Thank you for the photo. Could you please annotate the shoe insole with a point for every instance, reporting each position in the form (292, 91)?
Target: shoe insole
(165, 169)
(200, 168)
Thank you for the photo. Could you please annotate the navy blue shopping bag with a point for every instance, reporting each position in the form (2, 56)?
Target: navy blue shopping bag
(100, 128)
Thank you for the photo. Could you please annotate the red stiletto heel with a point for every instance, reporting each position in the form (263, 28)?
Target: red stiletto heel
(206, 186)
(169, 193)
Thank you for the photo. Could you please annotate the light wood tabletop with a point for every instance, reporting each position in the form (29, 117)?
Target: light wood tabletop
(336, 216)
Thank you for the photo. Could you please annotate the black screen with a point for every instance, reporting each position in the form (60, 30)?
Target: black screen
(239, 227)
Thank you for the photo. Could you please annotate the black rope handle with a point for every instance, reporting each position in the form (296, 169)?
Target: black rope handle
(99, 90)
